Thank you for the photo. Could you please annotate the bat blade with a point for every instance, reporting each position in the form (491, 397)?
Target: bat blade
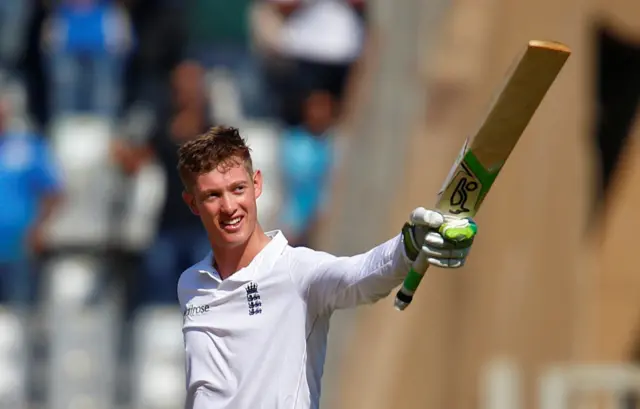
(484, 154)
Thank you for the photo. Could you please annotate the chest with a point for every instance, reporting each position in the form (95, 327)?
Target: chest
(254, 332)
(246, 312)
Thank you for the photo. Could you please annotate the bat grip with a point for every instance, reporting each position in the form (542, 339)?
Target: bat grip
(411, 282)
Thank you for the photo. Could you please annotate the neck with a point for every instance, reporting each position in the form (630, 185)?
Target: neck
(228, 261)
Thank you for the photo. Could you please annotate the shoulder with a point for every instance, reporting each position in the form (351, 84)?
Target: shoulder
(25, 147)
(188, 280)
(304, 266)
(191, 273)
(25, 138)
(34, 142)
(187, 277)
(307, 258)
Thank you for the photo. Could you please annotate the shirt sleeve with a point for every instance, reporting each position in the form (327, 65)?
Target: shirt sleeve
(328, 282)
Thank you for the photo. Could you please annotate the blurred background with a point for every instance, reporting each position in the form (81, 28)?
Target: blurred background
(355, 110)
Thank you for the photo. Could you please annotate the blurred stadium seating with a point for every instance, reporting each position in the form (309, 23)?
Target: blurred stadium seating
(87, 342)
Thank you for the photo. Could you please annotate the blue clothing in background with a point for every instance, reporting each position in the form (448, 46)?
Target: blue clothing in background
(173, 250)
(27, 172)
(86, 58)
(88, 28)
(85, 29)
(307, 162)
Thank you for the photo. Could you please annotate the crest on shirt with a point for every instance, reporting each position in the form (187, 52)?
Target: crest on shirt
(253, 299)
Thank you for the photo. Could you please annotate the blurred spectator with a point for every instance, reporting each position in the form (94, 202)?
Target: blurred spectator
(30, 187)
(314, 46)
(14, 19)
(31, 67)
(219, 39)
(307, 157)
(181, 240)
(86, 42)
(161, 45)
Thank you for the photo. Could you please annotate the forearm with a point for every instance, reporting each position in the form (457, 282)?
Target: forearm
(333, 283)
(368, 277)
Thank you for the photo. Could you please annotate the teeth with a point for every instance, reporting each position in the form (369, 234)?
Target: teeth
(232, 222)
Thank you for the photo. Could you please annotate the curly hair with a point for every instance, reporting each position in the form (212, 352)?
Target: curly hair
(221, 148)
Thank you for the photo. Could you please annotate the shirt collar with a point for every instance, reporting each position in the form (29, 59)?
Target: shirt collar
(266, 257)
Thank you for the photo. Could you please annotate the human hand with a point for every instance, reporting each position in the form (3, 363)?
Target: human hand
(444, 239)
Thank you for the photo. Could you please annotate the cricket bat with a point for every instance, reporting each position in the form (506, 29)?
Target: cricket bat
(485, 152)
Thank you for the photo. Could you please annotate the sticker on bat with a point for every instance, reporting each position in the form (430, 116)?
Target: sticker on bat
(462, 194)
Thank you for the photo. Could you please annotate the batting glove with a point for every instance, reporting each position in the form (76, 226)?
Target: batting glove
(445, 239)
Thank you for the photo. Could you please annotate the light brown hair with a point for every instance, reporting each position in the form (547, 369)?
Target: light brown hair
(220, 148)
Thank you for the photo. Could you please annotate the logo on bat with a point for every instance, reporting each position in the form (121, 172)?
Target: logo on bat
(462, 193)
(463, 189)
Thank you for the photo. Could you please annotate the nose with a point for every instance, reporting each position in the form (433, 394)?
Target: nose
(228, 204)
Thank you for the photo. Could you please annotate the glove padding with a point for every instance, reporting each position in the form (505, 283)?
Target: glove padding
(446, 240)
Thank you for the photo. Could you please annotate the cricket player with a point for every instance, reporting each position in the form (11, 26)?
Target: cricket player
(256, 310)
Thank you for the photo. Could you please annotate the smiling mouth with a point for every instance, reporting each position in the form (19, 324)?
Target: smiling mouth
(232, 223)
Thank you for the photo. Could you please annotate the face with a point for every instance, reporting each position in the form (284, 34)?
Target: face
(225, 200)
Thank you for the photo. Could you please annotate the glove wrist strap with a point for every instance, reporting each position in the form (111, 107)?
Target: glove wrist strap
(410, 246)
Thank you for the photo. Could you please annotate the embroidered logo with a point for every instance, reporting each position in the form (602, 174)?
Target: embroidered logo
(253, 299)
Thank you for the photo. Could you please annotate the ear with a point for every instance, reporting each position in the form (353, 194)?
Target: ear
(190, 200)
(257, 183)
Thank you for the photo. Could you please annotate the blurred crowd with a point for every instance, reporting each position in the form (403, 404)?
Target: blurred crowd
(143, 67)
(148, 75)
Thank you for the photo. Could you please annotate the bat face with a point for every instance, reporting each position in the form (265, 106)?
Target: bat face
(483, 156)
(466, 185)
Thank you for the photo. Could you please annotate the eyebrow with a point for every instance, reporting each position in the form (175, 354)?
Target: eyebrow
(231, 186)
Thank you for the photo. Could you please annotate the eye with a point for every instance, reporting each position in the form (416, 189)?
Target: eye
(239, 189)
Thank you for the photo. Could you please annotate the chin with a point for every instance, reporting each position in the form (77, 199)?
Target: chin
(234, 239)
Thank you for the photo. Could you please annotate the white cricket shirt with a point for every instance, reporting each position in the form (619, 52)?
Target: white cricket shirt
(257, 340)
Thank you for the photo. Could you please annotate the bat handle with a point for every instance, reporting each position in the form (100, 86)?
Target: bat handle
(411, 282)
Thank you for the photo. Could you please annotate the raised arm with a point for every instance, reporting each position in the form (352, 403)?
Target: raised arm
(327, 282)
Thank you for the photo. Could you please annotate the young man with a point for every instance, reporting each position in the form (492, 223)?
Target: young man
(256, 310)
